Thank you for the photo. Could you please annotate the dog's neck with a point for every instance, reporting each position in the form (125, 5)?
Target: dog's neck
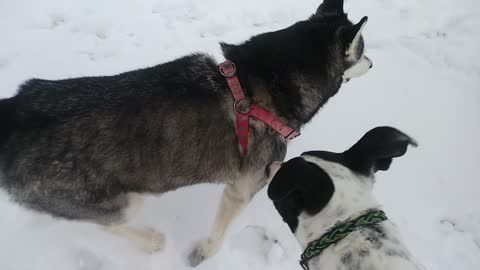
(292, 96)
(311, 228)
(352, 198)
(296, 104)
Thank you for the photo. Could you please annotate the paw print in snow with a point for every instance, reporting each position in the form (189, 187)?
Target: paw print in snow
(57, 20)
(256, 247)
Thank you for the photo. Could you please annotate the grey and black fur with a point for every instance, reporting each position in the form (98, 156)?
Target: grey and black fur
(87, 148)
(320, 190)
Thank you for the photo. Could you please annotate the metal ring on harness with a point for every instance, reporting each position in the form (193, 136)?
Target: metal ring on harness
(243, 106)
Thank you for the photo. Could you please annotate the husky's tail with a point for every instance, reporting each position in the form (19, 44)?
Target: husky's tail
(7, 115)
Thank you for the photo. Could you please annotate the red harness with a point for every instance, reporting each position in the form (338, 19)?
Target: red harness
(244, 108)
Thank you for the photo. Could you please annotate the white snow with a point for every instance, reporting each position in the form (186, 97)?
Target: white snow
(425, 82)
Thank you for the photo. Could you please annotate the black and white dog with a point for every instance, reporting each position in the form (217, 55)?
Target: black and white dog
(87, 149)
(326, 199)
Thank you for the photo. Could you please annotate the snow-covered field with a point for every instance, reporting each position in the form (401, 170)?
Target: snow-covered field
(425, 81)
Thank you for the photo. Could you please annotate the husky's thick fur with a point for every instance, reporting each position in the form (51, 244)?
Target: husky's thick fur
(87, 148)
(320, 190)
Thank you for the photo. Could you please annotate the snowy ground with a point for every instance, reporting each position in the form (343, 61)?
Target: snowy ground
(425, 82)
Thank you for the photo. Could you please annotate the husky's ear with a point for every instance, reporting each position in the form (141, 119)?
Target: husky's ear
(350, 35)
(330, 7)
(303, 179)
(376, 149)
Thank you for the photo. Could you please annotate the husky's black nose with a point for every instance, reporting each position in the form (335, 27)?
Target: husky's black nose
(371, 64)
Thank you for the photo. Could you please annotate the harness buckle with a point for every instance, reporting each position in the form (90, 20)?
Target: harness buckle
(293, 135)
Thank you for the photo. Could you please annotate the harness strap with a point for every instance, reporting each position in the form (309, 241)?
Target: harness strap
(244, 108)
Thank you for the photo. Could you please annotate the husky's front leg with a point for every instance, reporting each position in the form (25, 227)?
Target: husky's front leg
(235, 197)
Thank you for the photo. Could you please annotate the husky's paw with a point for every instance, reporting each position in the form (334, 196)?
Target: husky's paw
(150, 241)
(202, 251)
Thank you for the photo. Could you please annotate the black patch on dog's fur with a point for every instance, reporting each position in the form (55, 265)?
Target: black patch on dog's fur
(396, 252)
(364, 253)
(300, 186)
(347, 258)
(374, 234)
(377, 230)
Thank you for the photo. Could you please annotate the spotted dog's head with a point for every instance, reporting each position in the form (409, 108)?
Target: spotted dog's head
(331, 187)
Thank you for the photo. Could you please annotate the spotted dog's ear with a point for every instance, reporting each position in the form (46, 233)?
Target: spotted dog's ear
(283, 182)
(376, 149)
(273, 168)
(304, 180)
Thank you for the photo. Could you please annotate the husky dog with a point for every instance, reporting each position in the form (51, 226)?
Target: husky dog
(326, 199)
(88, 148)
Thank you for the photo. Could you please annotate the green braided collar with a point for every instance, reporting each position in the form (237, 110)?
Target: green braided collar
(339, 232)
